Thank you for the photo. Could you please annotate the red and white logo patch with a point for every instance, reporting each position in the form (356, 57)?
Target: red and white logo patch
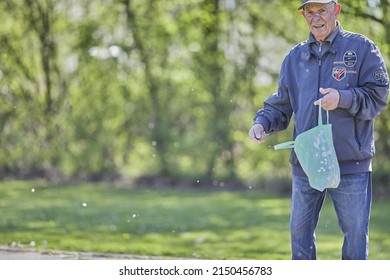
(339, 73)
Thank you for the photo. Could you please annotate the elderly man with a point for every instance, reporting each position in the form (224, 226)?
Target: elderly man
(345, 70)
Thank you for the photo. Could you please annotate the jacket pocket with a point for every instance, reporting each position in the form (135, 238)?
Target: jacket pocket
(347, 137)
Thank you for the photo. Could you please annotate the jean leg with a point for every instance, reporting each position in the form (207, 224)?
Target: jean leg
(352, 202)
(306, 204)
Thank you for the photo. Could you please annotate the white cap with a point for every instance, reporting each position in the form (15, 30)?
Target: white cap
(304, 2)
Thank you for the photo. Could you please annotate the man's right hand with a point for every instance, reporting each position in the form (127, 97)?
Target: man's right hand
(257, 133)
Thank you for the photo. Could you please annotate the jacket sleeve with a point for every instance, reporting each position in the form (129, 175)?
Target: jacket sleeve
(366, 101)
(277, 111)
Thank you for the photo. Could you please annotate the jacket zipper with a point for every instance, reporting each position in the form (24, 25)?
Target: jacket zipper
(319, 76)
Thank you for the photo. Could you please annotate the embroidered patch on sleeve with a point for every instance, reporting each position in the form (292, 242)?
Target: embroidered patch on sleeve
(381, 76)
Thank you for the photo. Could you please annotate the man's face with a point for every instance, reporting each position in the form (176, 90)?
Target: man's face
(321, 18)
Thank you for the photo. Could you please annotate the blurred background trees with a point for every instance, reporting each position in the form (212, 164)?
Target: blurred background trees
(109, 89)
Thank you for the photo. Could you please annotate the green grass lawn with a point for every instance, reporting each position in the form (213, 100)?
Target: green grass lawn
(166, 222)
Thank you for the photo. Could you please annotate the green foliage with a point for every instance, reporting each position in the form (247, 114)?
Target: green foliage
(164, 222)
(105, 89)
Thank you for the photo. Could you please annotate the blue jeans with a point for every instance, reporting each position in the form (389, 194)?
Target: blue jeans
(352, 202)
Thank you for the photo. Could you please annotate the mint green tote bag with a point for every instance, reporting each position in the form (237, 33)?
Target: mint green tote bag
(316, 154)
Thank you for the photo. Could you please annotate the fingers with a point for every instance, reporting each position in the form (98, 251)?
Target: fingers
(325, 104)
(257, 133)
(330, 100)
(325, 91)
(323, 101)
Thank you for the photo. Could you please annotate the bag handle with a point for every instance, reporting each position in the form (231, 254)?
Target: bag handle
(284, 145)
(320, 114)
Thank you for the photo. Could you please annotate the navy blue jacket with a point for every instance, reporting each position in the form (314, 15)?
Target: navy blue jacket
(354, 66)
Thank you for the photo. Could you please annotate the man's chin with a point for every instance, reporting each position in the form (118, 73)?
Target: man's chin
(319, 36)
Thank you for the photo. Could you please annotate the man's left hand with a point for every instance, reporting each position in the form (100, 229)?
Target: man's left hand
(331, 99)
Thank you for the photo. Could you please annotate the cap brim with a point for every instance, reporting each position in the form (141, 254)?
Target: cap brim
(319, 2)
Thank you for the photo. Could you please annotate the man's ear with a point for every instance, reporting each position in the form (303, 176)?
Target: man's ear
(338, 9)
(303, 13)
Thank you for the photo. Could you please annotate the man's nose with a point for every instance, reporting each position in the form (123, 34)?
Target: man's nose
(316, 16)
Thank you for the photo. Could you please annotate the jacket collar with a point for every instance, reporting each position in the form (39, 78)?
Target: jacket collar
(330, 39)
(333, 39)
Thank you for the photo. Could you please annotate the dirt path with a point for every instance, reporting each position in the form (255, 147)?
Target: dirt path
(9, 253)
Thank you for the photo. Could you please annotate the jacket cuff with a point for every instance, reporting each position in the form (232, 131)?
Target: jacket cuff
(346, 97)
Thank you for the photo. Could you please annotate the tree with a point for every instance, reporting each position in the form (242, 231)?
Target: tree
(165, 89)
